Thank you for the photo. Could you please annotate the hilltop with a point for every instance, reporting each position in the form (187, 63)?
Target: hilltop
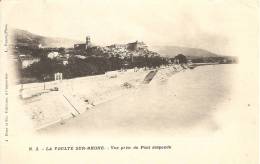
(25, 38)
(191, 53)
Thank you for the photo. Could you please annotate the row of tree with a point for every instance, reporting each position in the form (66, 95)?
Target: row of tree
(76, 67)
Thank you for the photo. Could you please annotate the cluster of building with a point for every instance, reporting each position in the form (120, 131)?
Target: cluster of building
(52, 53)
(83, 50)
(130, 46)
(117, 50)
(127, 50)
(62, 58)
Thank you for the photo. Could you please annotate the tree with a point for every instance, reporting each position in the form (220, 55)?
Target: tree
(181, 58)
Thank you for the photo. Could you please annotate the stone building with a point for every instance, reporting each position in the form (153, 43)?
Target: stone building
(83, 46)
(136, 46)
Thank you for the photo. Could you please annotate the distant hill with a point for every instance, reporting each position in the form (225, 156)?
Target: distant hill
(192, 53)
(22, 37)
(25, 38)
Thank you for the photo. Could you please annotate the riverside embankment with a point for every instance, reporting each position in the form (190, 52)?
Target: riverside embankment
(46, 105)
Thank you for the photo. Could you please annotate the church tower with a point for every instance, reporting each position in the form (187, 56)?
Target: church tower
(88, 43)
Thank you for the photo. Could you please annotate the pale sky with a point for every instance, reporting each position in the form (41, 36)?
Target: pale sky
(216, 25)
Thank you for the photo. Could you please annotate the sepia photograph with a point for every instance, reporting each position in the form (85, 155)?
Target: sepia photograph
(179, 77)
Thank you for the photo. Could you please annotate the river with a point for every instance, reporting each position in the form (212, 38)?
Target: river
(185, 102)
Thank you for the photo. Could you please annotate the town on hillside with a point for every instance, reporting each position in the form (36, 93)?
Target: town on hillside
(39, 63)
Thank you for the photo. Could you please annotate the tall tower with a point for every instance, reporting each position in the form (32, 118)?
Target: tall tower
(87, 40)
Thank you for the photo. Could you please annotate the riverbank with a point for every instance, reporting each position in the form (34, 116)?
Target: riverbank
(181, 104)
(55, 102)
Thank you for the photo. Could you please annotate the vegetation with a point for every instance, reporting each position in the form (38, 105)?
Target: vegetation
(181, 59)
(220, 60)
(44, 69)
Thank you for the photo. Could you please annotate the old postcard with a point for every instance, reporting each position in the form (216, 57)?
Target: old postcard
(129, 81)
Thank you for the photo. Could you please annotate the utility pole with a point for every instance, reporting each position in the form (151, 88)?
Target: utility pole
(21, 90)
(44, 83)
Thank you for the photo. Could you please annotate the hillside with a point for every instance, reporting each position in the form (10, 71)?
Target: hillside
(192, 53)
(23, 37)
